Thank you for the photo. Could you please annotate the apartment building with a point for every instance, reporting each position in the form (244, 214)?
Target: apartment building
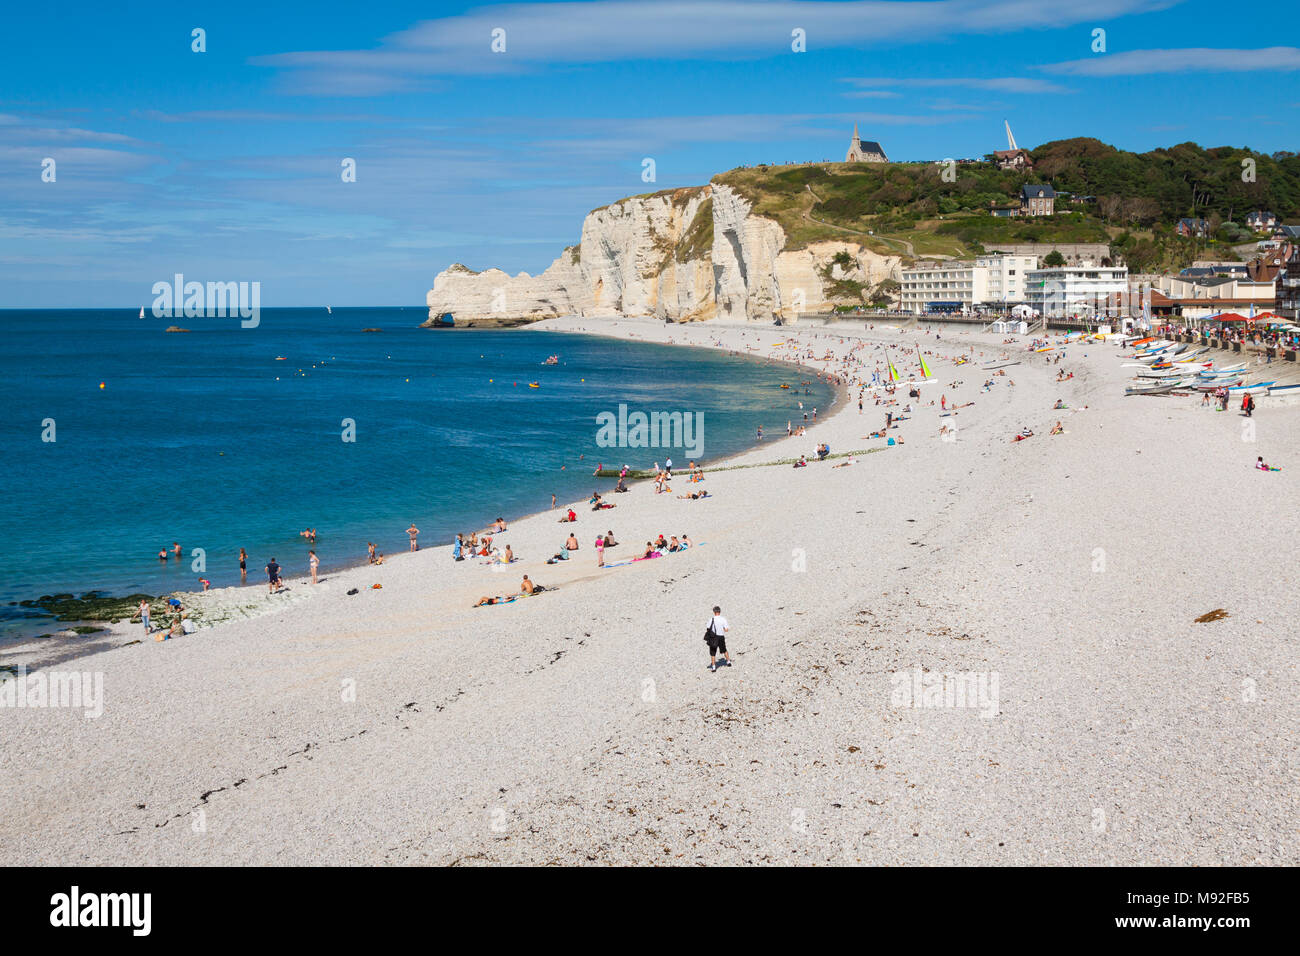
(962, 285)
(1076, 290)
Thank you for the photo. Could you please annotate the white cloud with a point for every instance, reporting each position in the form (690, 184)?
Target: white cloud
(1002, 84)
(1195, 60)
(570, 32)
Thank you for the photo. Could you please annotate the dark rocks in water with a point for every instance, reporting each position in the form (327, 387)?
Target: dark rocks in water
(175, 328)
(65, 607)
(372, 330)
(87, 629)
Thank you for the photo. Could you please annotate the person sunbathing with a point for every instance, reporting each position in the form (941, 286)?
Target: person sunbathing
(845, 464)
(529, 588)
(802, 462)
(695, 495)
(649, 551)
(609, 540)
(673, 545)
(1059, 405)
(1025, 433)
(569, 517)
(493, 600)
(1057, 429)
(571, 544)
(660, 543)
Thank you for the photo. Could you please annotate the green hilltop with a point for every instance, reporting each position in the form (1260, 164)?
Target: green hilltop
(1133, 201)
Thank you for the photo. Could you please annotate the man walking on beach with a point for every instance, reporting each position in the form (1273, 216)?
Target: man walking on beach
(272, 576)
(716, 635)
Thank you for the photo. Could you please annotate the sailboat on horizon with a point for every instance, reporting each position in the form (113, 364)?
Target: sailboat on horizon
(142, 312)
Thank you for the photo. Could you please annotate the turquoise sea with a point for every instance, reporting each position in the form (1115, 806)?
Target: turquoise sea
(206, 439)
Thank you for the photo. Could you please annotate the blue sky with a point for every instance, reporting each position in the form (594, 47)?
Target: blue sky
(225, 165)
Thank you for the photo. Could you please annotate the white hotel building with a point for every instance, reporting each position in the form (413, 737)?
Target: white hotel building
(1077, 291)
(957, 285)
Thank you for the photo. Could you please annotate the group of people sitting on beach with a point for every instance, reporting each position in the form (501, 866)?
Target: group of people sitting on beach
(472, 546)
(180, 620)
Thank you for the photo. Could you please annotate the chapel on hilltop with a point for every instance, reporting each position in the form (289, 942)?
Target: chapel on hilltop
(868, 152)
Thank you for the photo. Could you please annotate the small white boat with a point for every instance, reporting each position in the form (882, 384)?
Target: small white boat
(1158, 388)
(1283, 391)
(1258, 388)
(142, 312)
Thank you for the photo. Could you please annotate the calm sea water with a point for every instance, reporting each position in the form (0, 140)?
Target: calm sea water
(206, 439)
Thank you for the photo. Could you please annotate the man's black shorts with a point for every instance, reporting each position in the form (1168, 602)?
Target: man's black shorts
(717, 643)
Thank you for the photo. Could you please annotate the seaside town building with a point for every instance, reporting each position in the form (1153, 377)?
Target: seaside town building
(1261, 221)
(1193, 228)
(956, 285)
(1073, 291)
(1013, 157)
(1287, 287)
(1037, 200)
(868, 152)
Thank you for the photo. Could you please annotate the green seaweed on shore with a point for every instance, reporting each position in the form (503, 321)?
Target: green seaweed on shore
(86, 629)
(93, 606)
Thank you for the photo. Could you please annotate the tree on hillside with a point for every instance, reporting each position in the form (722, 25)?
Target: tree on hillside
(1054, 258)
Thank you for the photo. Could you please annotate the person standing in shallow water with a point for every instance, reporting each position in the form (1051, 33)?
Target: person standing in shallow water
(414, 533)
(313, 562)
(243, 565)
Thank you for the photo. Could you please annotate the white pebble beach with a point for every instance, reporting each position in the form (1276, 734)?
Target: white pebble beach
(402, 725)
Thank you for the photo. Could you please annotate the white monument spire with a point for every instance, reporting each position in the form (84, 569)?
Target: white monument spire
(1011, 140)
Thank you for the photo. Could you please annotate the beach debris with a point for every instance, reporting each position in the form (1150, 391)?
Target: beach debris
(353, 591)
(375, 587)
(1218, 614)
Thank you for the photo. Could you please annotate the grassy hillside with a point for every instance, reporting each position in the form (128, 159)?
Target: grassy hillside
(1137, 199)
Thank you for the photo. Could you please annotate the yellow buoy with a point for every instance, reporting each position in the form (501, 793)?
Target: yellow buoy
(101, 384)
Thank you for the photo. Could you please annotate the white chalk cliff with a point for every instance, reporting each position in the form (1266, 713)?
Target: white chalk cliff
(684, 254)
